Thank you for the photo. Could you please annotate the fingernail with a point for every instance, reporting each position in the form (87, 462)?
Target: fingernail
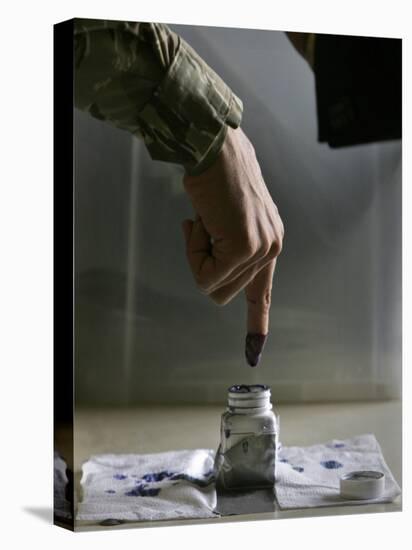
(254, 347)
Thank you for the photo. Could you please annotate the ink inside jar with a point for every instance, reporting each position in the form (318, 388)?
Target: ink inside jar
(246, 457)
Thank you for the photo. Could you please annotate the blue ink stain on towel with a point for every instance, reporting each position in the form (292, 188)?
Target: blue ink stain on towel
(331, 464)
(142, 491)
(298, 469)
(119, 476)
(110, 491)
(283, 460)
(339, 445)
(199, 482)
(158, 476)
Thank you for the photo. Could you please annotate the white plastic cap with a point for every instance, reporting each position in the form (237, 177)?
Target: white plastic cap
(243, 396)
(362, 485)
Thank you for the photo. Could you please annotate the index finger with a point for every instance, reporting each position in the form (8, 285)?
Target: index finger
(258, 295)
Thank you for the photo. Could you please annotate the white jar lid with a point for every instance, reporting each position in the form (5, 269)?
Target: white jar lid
(362, 485)
(249, 396)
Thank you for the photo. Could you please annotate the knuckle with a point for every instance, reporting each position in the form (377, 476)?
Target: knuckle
(219, 299)
(249, 248)
(275, 243)
(262, 303)
(246, 249)
(266, 248)
(265, 302)
(204, 289)
(275, 249)
(200, 283)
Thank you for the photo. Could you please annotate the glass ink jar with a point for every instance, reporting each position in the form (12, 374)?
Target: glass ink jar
(246, 457)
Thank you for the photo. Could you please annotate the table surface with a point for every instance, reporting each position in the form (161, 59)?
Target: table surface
(150, 429)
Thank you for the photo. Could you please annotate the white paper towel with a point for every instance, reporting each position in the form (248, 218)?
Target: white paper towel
(307, 477)
(180, 484)
(170, 485)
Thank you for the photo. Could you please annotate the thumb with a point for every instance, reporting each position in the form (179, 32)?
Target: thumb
(197, 244)
(258, 295)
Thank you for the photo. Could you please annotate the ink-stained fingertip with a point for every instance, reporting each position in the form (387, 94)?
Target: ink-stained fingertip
(253, 348)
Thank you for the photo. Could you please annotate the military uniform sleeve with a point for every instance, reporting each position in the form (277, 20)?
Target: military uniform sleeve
(144, 78)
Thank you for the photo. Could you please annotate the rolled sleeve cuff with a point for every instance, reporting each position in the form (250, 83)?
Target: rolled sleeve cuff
(186, 120)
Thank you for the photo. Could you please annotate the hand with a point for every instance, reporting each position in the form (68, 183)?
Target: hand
(237, 235)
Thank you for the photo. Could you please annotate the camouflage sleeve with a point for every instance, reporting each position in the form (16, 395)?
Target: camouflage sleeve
(144, 78)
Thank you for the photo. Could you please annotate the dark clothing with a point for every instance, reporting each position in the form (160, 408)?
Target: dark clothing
(358, 89)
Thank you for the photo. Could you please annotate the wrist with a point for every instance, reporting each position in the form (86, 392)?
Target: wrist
(211, 155)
